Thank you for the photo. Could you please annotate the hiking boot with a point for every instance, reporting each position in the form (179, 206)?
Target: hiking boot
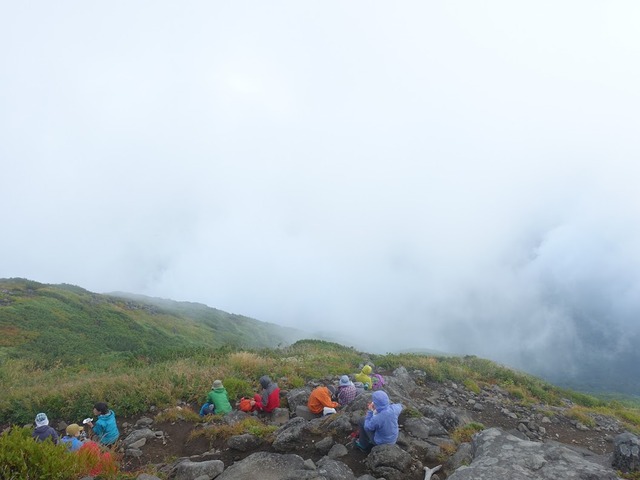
(360, 446)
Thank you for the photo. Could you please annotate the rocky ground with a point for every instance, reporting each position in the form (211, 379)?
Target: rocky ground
(433, 411)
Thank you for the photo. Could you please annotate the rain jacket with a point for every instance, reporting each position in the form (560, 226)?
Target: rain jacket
(364, 377)
(320, 398)
(383, 423)
(40, 434)
(270, 398)
(220, 398)
(106, 429)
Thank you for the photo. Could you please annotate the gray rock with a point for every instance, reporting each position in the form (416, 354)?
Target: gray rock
(298, 397)
(287, 437)
(136, 435)
(133, 452)
(144, 422)
(337, 451)
(324, 445)
(500, 456)
(138, 443)
(189, 470)
(447, 417)
(389, 461)
(463, 456)
(334, 470)
(235, 416)
(146, 476)
(303, 412)
(244, 442)
(266, 466)
(280, 416)
(423, 427)
(626, 452)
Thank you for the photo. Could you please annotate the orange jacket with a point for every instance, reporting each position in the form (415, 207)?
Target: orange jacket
(320, 398)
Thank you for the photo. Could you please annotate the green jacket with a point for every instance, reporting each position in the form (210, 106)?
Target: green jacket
(220, 399)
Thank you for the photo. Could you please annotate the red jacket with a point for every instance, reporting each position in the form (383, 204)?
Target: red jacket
(273, 399)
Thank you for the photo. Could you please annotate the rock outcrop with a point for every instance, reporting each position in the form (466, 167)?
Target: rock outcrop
(501, 456)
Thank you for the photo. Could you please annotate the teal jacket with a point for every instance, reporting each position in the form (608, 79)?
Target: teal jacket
(219, 397)
(106, 429)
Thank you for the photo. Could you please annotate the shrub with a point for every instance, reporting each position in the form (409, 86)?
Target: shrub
(463, 434)
(22, 457)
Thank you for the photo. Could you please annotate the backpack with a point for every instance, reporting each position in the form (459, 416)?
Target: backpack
(244, 405)
(378, 381)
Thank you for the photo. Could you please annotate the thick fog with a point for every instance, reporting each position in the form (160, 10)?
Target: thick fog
(457, 176)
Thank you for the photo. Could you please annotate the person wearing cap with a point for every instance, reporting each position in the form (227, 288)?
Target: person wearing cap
(71, 439)
(346, 390)
(364, 377)
(320, 398)
(270, 398)
(105, 427)
(43, 430)
(219, 398)
(380, 425)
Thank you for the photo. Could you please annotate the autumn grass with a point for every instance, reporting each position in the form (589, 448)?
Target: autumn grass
(219, 430)
(69, 392)
(465, 433)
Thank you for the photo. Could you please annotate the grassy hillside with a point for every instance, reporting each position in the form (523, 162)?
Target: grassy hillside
(66, 325)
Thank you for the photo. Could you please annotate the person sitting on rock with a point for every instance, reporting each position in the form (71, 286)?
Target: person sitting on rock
(219, 398)
(380, 425)
(43, 430)
(346, 390)
(364, 377)
(270, 398)
(322, 397)
(105, 428)
(71, 439)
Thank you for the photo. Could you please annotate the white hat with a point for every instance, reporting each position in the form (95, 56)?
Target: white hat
(42, 420)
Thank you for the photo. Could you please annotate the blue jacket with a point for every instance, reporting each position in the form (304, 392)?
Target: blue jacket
(106, 429)
(72, 443)
(384, 423)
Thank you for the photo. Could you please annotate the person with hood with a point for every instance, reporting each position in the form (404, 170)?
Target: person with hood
(346, 390)
(320, 398)
(380, 425)
(219, 398)
(364, 378)
(43, 430)
(105, 427)
(71, 439)
(270, 398)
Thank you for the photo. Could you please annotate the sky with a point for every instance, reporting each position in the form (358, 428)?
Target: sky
(458, 176)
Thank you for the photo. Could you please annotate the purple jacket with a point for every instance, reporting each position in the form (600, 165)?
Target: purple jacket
(384, 424)
(40, 434)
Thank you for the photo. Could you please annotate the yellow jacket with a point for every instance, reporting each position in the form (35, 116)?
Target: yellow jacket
(364, 377)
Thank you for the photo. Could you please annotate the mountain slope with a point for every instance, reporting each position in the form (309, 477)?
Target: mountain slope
(67, 324)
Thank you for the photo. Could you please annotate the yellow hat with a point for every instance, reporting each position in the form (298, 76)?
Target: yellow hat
(366, 369)
(74, 429)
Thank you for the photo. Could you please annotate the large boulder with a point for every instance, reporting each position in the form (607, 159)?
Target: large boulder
(266, 466)
(137, 435)
(423, 427)
(244, 442)
(334, 470)
(389, 461)
(501, 456)
(287, 437)
(626, 452)
(297, 397)
(189, 470)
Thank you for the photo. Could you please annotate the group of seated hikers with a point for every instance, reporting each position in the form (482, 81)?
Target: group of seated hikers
(105, 430)
(379, 425)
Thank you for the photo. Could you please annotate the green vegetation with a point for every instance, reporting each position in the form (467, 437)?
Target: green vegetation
(21, 457)
(63, 348)
(464, 433)
(221, 430)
